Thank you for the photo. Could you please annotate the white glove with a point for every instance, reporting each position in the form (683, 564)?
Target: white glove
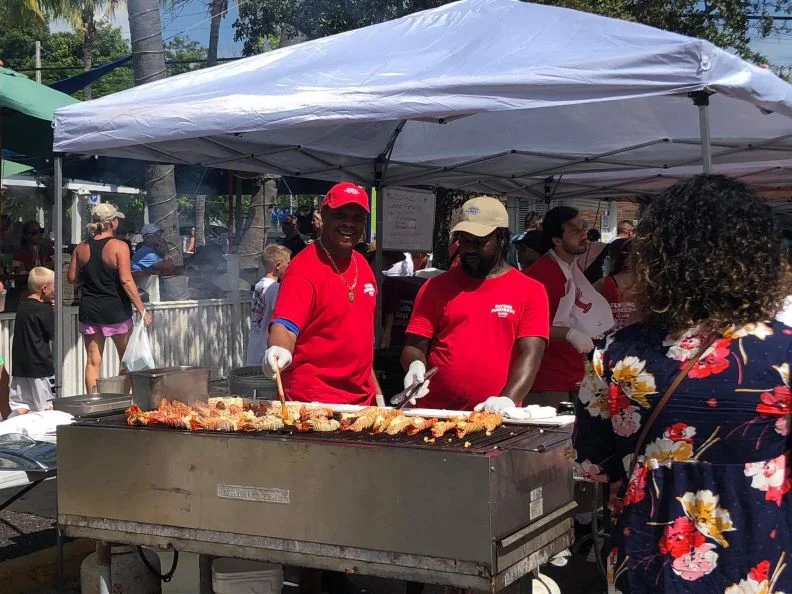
(275, 356)
(580, 341)
(416, 373)
(495, 404)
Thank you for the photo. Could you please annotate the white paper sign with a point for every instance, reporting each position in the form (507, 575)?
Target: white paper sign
(407, 220)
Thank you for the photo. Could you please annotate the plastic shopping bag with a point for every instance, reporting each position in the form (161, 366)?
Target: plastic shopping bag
(138, 355)
(582, 307)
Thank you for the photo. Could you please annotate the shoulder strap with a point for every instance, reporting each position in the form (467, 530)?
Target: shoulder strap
(664, 400)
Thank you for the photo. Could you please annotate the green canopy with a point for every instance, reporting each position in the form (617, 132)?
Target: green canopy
(26, 111)
(9, 168)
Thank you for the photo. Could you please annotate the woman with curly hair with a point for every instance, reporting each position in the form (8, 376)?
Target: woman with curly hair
(693, 403)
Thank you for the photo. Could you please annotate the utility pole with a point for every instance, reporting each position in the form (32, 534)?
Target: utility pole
(38, 62)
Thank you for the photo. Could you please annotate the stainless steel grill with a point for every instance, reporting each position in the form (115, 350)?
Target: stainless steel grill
(477, 517)
(504, 437)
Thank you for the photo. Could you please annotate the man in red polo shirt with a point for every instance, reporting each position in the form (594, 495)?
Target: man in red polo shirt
(483, 324)
(563, 364)
(322, 330)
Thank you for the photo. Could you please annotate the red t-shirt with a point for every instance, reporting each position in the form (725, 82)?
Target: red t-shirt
(334, 353)
(623, 309)
(562, 366)
(30, 258)
(474, 326)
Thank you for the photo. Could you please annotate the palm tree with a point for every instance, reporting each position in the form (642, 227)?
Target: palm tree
(256, 225)
(148, 59)
(82, 16)
(218, 9)
(22, 12)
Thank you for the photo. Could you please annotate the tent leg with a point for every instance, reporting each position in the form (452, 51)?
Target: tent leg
(58, 223)
(701, 100)
(378, 264)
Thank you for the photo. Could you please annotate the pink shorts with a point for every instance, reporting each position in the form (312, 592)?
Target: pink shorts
(106, 329)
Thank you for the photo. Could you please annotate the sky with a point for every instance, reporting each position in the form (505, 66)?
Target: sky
(778, 48)
(191, 19)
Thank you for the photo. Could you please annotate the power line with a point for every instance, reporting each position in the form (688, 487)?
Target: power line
(206, 20)
(128, 65)
(759, 17)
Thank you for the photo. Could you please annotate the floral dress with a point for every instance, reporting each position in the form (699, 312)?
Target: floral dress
(708, 506)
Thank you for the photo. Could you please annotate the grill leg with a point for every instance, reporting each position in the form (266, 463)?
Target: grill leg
(205, 573)
(310, 581)
(103, 561)
(59, 562)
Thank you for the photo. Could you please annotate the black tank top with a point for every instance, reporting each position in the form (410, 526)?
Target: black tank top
(103, 299)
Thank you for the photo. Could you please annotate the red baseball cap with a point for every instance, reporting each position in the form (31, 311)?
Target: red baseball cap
(346, 193)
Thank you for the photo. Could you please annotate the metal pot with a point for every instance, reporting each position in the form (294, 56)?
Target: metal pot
(186, 384)
(251, 381)
(115, 384)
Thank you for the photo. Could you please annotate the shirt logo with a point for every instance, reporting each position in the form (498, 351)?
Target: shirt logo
(503, 310)
(369, 290)
(580, 303)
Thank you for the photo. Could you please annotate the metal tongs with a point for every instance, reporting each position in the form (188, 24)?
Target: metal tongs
(403, 397)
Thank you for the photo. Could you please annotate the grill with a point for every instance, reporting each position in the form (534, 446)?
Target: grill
(478, 517)
(479, 443)
(504, 437)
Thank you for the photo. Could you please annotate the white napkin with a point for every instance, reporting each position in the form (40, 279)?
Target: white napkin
(532, 411)
(36, 424)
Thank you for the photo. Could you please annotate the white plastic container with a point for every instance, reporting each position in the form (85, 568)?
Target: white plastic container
(240, 576)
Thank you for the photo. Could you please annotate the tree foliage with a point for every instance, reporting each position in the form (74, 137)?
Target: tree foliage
(264, 22)
(184, 55)
(723, 22)
(62, 55)
(25, 13)
(63, 52)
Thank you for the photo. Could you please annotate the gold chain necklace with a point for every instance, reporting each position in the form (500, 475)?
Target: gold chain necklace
(350, 288)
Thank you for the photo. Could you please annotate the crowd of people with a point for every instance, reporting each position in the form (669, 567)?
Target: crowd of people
(673, 358)
(102, 266)
(671, 343)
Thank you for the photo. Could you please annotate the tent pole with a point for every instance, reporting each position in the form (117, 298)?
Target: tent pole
(701, 100)
(380, 166)
(378, 262)
(58, 343)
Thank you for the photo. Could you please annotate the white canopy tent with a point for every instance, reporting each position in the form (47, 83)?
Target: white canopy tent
(767, 176)
(480, 95)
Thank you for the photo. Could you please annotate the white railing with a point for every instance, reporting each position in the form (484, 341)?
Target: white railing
(210, 333)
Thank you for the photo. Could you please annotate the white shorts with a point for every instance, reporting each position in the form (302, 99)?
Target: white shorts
(30, 393)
